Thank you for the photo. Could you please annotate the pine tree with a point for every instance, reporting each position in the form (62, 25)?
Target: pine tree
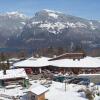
(22, 54)
(3, 64)
(79, 48)
(50, 51)
(60, 51)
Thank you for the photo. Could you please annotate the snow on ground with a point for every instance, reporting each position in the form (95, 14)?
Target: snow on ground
(16, 14)
(8, 93)
(16, 91)
(2, 98)
(96, 90)
(52, 26)
(57, 92)
(23, 23)
(92, 26)
(79, 24)
(53, 15)
(89, 74)
(97, 98)
(36, 22)
(49, 11)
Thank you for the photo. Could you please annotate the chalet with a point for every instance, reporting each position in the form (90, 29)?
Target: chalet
(36, 92)
(85, 64)
(69, 56)
(15, 92)
(13, 75)
(32, 64)
(10, 61)
(68, 62)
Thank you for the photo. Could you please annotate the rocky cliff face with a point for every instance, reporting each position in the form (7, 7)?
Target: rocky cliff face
(48, 28)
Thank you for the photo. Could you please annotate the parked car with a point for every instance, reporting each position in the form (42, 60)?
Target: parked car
(80, 81)
(68, 78)
(97, 83)
(62, 78)
(59, 78)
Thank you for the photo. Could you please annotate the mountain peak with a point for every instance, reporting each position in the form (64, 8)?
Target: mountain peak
(48, 27)
(16, 14)
(51, 11)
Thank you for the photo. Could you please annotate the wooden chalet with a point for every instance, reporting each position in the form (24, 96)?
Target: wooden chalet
(75, 63)
(69, 56)
(68, 62)
(12, 76)
(32, 65)
(37, 92)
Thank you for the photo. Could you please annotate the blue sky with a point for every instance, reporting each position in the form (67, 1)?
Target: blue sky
(83, 8)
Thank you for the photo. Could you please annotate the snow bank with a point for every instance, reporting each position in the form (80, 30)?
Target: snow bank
(57, 92)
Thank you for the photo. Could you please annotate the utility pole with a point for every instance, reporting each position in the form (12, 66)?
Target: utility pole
(65, 85)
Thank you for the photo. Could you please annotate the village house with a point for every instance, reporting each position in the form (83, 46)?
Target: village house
(66, 63)
(12, 76)
(75, 63)
(70, 55)
(36, 92)
(33, 65)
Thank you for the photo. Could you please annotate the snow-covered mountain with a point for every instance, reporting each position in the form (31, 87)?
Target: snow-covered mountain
(56, 21)
(11, 23)
(54, 28)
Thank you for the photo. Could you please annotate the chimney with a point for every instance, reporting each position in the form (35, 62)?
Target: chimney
(4, 71)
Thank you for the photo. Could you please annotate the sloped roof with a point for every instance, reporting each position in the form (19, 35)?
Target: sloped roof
(86, 62)
(13, 73)
(71, 55)
(38, 89)
(33, 62)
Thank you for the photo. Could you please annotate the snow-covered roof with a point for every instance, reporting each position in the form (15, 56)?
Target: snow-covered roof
(16, 91)
(68, 56)
(14, 59)
(97, 57)
(13, 73)
(38, 89)
(86, 62)
(5, 62)
(33, 62)
(84, 74)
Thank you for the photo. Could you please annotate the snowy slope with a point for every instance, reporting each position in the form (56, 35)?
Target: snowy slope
(48, 27)
(11, 23)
